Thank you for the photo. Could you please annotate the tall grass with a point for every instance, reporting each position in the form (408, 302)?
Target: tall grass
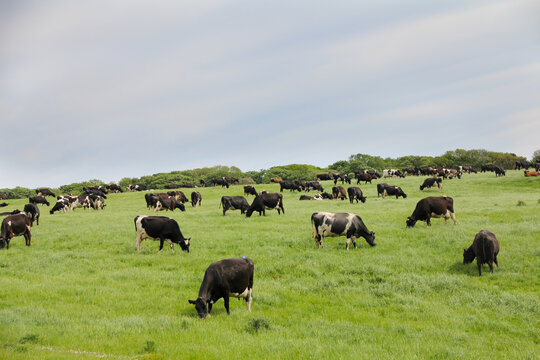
(82, 291)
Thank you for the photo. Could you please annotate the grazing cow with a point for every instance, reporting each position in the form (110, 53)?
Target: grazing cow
(340, 176)
(220, 181)
(315, 185)
(38, 200)
(488, 167)
(250, 190)
(81, 201)
(432, 206)
(468, 169)
(530, 173)
(326, 195)
(327, 224)
(355, 194)
(426, 170)
(231, 180)
(114, 188)
(363, 177)
(385, 189)
(178, 195)
(33, 210)
(15, 225)
(167, 202)
(523, 164)
(61, 205)
(133, 187)
(44, 192)
(286, 184)
(409, 171)
(485, 248)
(159, 228)
(234, 203)
(196, 199)
(202, 183)
(324, 177)
(373, 173)
(392, 173)
(499, 171)
(187, 186)
(98, 190)
(276, 180)
(266, 201)
(302, 184)
(428, 183)
(339, 192)
(222, 279)
(96, 201)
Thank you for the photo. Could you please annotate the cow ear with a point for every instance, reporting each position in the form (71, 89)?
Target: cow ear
(193, 302)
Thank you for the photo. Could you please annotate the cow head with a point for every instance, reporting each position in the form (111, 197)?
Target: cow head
(370, 238)
(200, 306)
(249, 211)
(180, 206)
(184, 244)
(468, 255)
(363, 199)
(410, 222)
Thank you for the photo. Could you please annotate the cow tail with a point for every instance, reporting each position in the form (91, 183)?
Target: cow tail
(484, 246)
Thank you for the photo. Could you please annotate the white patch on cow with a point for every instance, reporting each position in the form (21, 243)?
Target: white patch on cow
(9, 223)
(243, 294)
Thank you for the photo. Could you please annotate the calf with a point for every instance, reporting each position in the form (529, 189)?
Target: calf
(355, 194)
(326, 224)
(386, 189)
(222, 279)
(429, 182)
(250, 190)
(38, 200)
(485, 248)
(442, 206)
(196, 199)
(15, 225)
(159, 228)
(266, 201)
(234, 203)
(33, 210)
(339, 192)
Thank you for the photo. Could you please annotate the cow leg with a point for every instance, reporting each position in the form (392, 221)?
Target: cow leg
(490, 263)
(171, 244)
(354, 241)
(226, 301)
(210, 307)
(161, 241)
(8, 240)
(495, 260)
(27, 237)
(138, 241)
(454, 218)
(479, 264)
(249, 299)
(347, 242)
(428, 221)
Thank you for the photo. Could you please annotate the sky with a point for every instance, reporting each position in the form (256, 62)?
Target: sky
(117, 88)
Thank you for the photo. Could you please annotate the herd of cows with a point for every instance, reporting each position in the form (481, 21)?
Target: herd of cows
(234, 277)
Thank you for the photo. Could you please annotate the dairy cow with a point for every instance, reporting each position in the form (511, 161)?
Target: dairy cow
(430, 182)
(441, 206)
(327, 224)
(485, 248)
(15, 225)
(385, 189)
(33, 210)
(234, 203)
(196, 199)
(266, 201)
(159, 228)
(355, 194)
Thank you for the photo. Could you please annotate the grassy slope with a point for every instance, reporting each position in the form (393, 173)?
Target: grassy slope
(81, 286)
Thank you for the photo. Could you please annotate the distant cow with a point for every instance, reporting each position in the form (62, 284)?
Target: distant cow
(15, 225)
(531, 173)
(392, 173)
(38, 200)
(220, 181)
(114, 188)
(33, 210)
(222, 279)
(167, 202)
(523, 164)
(355, 194)
(340, 176)
(306, 197)
(339, 192)
(61, 205)
(385, 189)
(290, 185)
(196, 199)
(250, 190)
(315, 185)
(324, 177)
(3, 196)
(442, 206)
(485, 248)
(4, 204)
(429, 182)
(266, 201)
(234, 203)
(202, 183)
(327, 224)
(159, 228)
(363, 177)
(276, 180)
(178, 195)
(133, 187)
(171, 186)
(499, 171)
(44, 192)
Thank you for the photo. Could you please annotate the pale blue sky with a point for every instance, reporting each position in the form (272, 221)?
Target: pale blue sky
(112, 89)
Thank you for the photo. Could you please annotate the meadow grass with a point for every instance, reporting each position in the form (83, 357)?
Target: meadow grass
(82, 291)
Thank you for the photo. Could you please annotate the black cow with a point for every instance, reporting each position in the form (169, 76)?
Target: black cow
(231, 180)
(442, 206)
(202, 183)
(4, 204)
(159, 228)
(355, 194)
(220, 181)
(339, 192)
(250, 190)
(485, 248)
(171, 186)
(33, 210)
(15, 225)
(306, 197)
(363, 177)
(222, 279)
(499, 171)
(385, 189)
(488, 167)
(326, 195)
(196, 199)
(38, 200)
(302, 184)
(286, 184)
(234, 203)
(324, 177)
(340, 176)
(266, 201)
(114, 188)
(44, 192)
(429, 182)
(315, 185)
(327, 224)
(523, 164)
(167, 202)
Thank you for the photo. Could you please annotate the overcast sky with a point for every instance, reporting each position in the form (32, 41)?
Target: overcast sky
(113, 89)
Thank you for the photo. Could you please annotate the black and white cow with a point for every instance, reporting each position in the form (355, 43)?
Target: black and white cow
(159, 228)
(266, 201)
(385, 189)
(341, 176)
(133, 187)
(61, 205)
(433, 206)
(178, 195)
(114, 188)
(81, 201)
(430, 182)
(485, 248)
(220, 181)
(222, 279)
(196, 199)
(33, 210)
(327, 224)
(290, 185)
(392, 173)
(167, 202)
(250, 190)
(15, 225)
(234, 203)
(355, 194)
(38, 200)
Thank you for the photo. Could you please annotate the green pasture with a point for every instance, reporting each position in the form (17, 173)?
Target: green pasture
(81, 291)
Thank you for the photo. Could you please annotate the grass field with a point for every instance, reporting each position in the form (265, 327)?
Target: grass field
(81, 291)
